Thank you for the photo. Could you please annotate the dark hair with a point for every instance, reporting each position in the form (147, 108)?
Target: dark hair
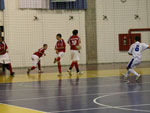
(59, 35)
(44, 45)
(75, 32)
(137, 38)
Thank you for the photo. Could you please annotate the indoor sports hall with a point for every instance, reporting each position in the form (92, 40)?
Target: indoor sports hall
(74, 56)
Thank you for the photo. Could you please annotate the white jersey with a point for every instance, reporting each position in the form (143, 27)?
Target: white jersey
(136, 49)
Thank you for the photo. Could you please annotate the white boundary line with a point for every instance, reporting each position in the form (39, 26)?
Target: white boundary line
(120, 107)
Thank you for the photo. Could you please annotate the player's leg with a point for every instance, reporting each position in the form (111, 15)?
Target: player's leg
(35, 60)
(59, 58)
(39, 67)
(77, 58)
(136, 63)
(77, 67)
(8, 64)
(59, 68)
(131, 66)
(73, 62)
(128, 67)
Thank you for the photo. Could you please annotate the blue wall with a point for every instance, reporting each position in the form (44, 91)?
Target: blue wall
(2, 4)
(78, 5)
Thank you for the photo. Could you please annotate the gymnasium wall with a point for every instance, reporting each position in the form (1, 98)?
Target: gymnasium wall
(1, 18)
(121, 17)
(24, 35)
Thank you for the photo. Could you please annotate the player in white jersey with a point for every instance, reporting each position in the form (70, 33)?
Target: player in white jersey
(135, 51)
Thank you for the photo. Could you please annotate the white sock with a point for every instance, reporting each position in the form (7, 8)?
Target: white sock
(134, 72)
(127, 74)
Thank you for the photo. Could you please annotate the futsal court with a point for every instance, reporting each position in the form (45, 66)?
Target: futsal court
(101, 89)
(74, 56)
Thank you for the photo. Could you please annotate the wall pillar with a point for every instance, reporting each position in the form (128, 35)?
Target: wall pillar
(91, 36)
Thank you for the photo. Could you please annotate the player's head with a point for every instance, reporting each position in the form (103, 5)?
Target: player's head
(137, 38)
(75, 32)
(58, 36)
(45, 46)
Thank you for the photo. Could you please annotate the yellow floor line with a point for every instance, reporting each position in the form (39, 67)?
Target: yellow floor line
(53, 76)
(5, 108)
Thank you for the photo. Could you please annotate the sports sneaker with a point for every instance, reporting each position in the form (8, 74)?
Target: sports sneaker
(12, 74)
(59, 75)
(40, 71)
(125, 78)
(69, 71)
(55, 60)
(138, 77)
(28, 71)
(79, 73)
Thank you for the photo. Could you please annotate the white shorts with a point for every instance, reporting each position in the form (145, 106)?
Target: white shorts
(75, 55)
(133, 63)
(35, 60)
(60, 54)
(4, 59)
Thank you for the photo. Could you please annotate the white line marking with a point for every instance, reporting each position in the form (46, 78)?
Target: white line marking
(98, 108)
(120, 107)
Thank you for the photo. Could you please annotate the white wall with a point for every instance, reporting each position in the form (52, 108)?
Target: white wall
(120, 20)
(25, 36)
(1, 18)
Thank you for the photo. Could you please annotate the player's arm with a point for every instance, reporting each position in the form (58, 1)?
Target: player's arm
(130, 54)
(148, 47)
(130, 50)
(5, 49)
(2, 51)
(42, 52)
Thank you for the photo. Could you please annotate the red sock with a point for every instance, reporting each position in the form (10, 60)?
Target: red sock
(33, 67)
(77, 66)
(39, 65)
(10, 68)
(59, 67)
(58, 59)
(72, 64)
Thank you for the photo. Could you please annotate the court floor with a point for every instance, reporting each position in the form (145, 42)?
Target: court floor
(100, 89)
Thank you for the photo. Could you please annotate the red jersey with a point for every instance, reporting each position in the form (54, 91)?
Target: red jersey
(60, 43)
(3, 48)
(40, 52)
(73, 42)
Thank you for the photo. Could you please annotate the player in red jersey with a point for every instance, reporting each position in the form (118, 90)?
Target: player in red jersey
(60, 51)
(74, 42)
(4, 58)
(36, 58)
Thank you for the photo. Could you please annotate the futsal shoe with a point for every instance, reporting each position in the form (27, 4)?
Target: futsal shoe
(59, 75)
(40, 71)
(12, 74)
(55, 60)
(138, 78)
(125, 79)
(69, 71)
(28, 71)
(79, 73)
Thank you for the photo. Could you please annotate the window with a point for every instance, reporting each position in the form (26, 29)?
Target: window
(77, 5)
(2, 4)
(31, 4)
